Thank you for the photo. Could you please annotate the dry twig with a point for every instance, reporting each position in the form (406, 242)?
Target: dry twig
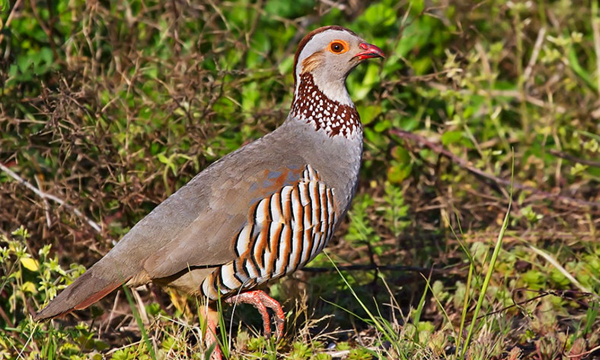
(574, 158)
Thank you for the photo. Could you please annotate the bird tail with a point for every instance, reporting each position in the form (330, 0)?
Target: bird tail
(83, 292)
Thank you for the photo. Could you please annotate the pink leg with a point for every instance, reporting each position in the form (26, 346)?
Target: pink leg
(210, 337)
(277, 310)
(261, 301)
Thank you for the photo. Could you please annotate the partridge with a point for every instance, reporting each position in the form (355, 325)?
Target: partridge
(259, 213)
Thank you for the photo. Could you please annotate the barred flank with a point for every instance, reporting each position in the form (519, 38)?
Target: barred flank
(284, 232)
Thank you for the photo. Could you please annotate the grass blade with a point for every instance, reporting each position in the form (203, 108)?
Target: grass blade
(140, 323)
(490, 271)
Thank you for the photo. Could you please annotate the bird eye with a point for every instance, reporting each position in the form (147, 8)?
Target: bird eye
(336, 47)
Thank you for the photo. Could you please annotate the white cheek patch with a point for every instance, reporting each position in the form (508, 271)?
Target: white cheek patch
(319, 42)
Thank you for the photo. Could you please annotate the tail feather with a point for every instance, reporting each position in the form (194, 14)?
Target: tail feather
(83, 292)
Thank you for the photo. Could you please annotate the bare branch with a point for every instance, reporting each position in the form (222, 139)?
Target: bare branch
(574, 158)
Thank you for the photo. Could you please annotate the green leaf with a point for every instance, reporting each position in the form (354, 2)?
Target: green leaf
(163, 159)
(396, 174)
(29, 287)
(378, 16)
(451, 137)
(30, 264)
(414, 36)
(369, 113)
(4, 6)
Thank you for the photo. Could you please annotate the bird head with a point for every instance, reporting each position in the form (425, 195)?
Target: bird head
(329, 54)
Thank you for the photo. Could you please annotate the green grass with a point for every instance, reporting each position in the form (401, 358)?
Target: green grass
(488, 276)
(106, 109)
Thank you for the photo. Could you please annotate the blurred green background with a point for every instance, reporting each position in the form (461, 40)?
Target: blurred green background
(112, 106)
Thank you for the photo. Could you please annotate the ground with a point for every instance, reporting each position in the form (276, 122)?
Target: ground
(474, 232)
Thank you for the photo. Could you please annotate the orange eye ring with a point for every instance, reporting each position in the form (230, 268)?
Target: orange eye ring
(338, 46)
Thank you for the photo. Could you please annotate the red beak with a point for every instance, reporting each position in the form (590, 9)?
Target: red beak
(370, 51)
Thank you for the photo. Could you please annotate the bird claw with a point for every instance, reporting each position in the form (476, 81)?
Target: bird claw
(278, 313)
(261, 301)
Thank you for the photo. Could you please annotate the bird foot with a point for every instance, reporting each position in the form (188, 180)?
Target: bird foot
(257, 298)
(210, 338)
(261, 301)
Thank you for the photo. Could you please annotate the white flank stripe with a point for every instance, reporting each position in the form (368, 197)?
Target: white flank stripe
(308, 217)
(317, 245)
(324, 205)
(228, 278)
(275, 211)
(312, 191)
(275, 242)
(297, 239)
(241, 274)
(243, 240)
(283, 251)
(285, 196)
(306, 240)
(308, 172)
(207, 289)
(261, 213)
(296, 207)
(263, 270)
(303, 194)
(252, 271)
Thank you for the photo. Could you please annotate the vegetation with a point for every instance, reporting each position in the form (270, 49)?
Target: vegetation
(106, 108)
